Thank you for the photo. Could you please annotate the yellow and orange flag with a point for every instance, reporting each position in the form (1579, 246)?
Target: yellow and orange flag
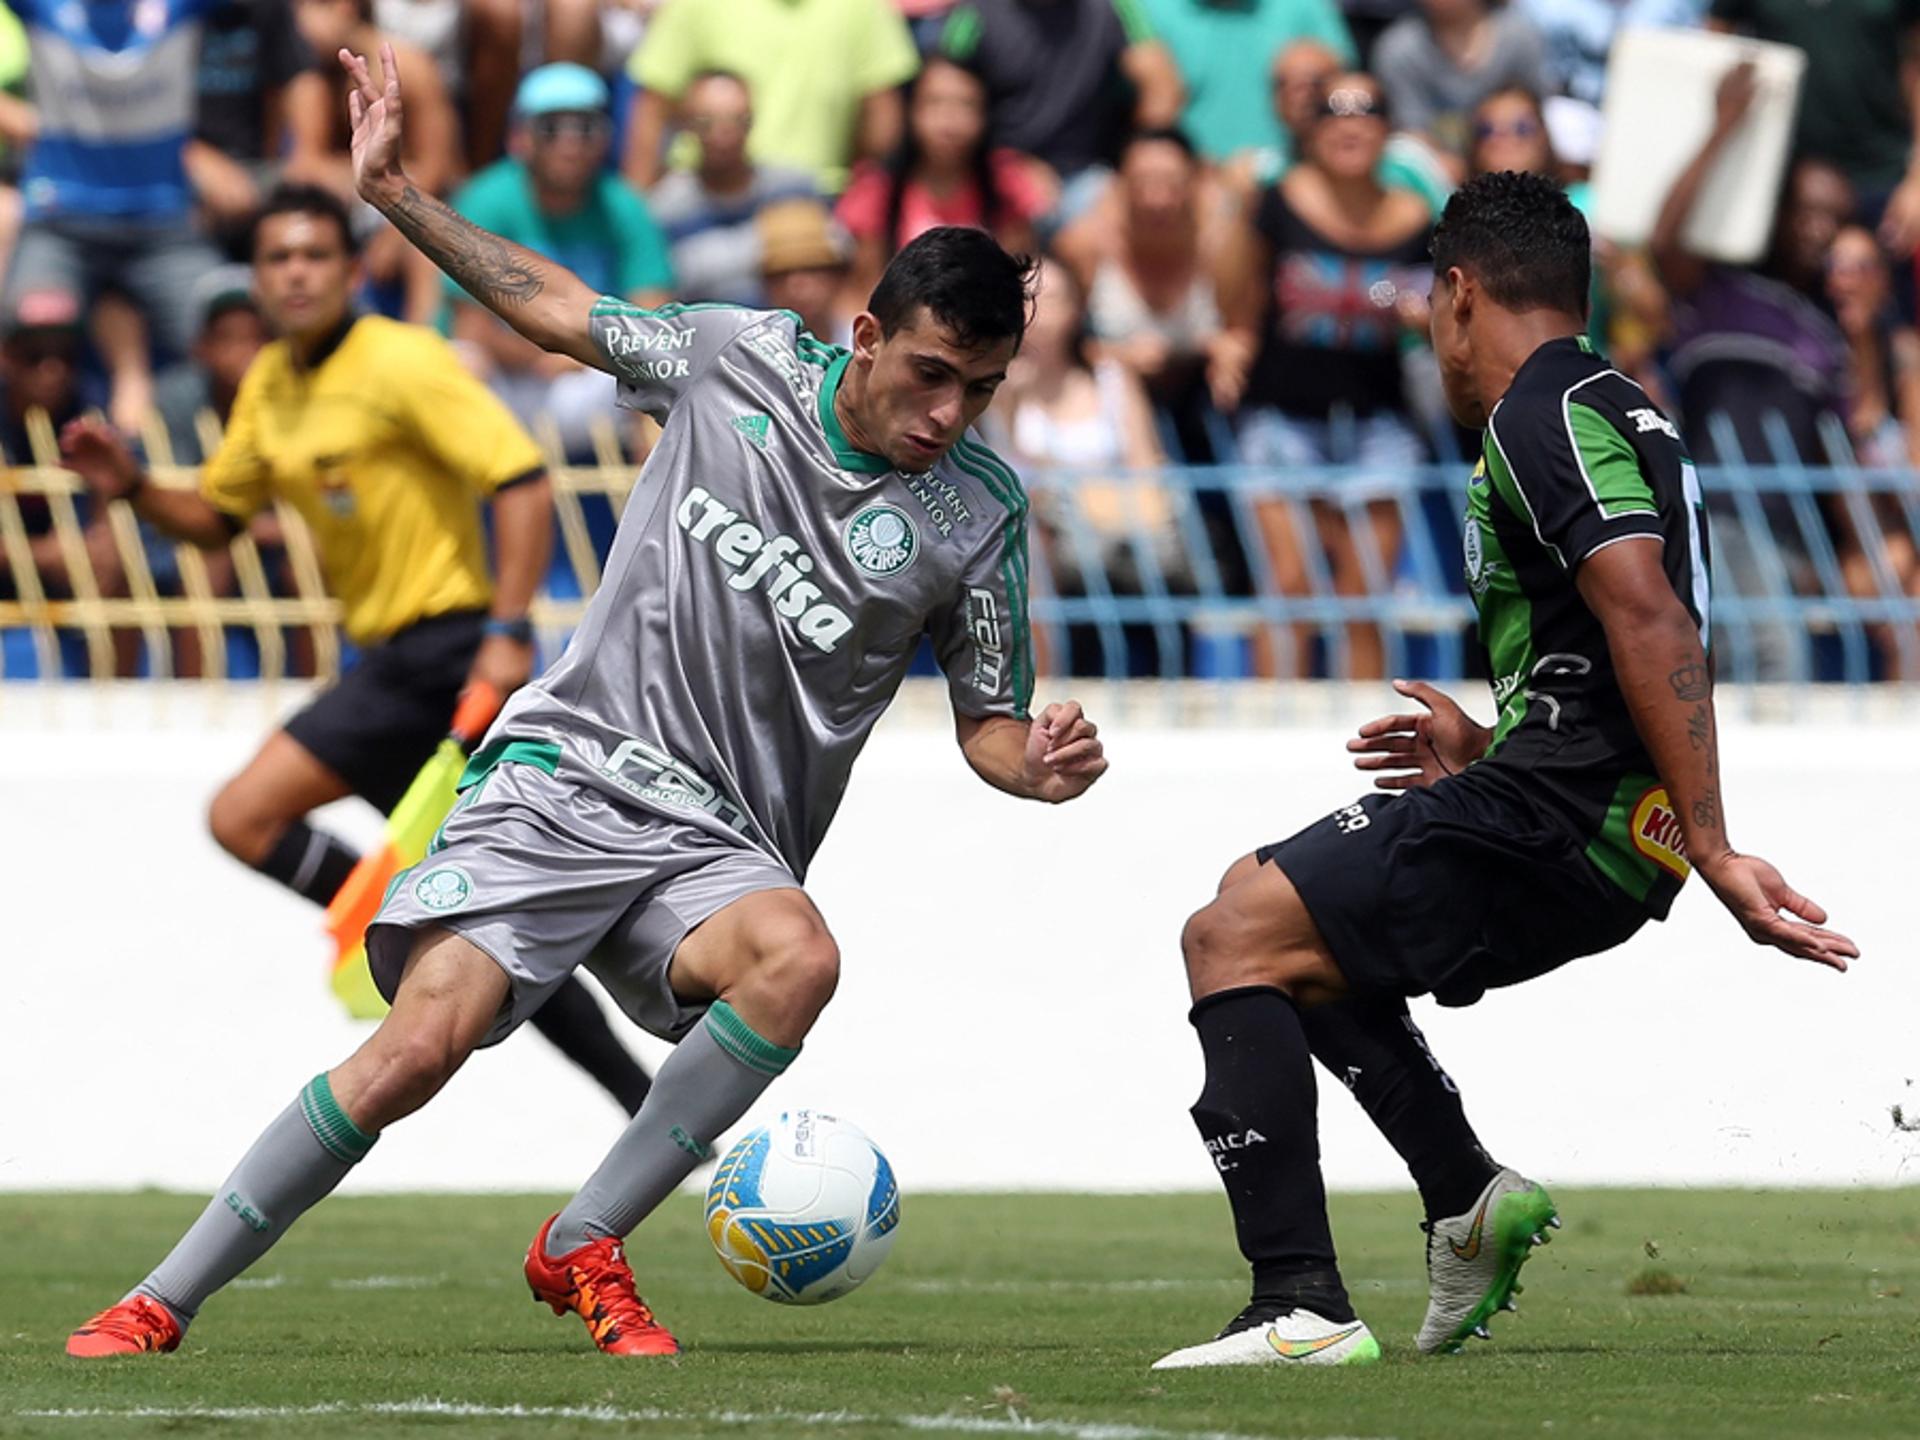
(410, 829)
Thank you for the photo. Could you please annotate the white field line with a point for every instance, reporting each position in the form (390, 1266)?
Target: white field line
(616, 1415)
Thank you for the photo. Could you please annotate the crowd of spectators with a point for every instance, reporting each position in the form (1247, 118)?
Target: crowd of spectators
(1235, 197)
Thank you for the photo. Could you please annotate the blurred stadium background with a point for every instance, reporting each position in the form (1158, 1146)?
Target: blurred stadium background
(1246, 502)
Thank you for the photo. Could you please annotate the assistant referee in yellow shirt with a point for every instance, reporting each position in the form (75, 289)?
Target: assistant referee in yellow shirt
(385, 445)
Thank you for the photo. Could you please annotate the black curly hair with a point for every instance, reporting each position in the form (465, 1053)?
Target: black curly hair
(1521, 238)
(965, 281)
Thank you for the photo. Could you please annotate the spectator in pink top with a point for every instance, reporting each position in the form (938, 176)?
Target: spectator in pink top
(944, 173)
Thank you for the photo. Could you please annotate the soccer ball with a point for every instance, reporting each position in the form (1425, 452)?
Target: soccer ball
(803, 1210)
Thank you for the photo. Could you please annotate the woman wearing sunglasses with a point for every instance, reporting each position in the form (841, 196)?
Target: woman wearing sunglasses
(1322, 287)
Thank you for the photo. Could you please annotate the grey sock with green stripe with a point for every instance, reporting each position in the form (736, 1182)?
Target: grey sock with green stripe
(708, 1082)
(296, 1162)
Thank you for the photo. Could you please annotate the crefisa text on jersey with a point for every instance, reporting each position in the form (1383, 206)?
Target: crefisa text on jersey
(777, 562)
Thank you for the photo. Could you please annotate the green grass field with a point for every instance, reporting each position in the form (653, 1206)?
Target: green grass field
(1654, 1313)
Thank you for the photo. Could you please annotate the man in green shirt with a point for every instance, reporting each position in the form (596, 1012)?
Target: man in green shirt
(1512, 848)
(555, 196)
(825, 77)
(1224, 48)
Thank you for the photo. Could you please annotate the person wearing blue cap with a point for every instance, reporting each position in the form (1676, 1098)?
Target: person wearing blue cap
(554, 194)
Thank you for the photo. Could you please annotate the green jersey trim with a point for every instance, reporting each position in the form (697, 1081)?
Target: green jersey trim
(1608, 462)
(609, 305)
(1004, 486)
(844, 453)
(1510, 491)
(543, 755)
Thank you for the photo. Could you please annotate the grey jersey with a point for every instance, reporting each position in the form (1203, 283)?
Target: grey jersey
(769, 586)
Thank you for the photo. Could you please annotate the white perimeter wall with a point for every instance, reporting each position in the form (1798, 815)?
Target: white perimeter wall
(1012, 1012)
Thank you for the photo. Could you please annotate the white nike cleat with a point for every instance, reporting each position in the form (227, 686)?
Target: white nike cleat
(1474, 1260)
(1257, 1336)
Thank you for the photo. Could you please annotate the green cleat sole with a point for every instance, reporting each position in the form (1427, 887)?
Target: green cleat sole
(1521, 1221)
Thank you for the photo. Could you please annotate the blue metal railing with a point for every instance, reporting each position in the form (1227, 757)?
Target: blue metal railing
(1806, 583)
(1215, 572)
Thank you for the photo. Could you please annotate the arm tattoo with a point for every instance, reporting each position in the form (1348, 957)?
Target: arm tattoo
(1700, 736)
(493, 270)
(1691, 682)
(1706, 810)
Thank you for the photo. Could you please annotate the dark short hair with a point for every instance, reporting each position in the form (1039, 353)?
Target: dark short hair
(1521, 238)
(715, 72)
(1161, 135)
(304, 200)
(964, 280)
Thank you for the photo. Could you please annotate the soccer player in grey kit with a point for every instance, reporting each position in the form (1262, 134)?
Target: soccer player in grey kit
(649, 806)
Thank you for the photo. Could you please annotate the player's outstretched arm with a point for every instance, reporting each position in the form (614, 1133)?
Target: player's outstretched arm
(1054, 757)
(547, 303)
(1405, 752)
(1663, 673)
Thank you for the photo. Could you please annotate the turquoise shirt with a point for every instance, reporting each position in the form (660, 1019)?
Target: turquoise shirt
(1225, 50)
(611, 242)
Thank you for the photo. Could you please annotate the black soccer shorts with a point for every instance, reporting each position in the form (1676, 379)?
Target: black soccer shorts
(1454, 889)
(389, 712)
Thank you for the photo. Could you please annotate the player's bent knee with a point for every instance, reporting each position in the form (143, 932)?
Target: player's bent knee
(1220, 953)
(1242, 869)
(239, 827)
(803, 966)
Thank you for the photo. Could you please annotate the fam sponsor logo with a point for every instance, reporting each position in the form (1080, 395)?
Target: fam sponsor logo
(644, 769)
(1656, 833)
(946, 507)
(989, 644)
(881, 540)
(775, 563)
(778, 353)
(1224, 1148)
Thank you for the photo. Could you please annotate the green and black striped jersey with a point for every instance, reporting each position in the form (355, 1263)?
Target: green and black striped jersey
(1577, 457)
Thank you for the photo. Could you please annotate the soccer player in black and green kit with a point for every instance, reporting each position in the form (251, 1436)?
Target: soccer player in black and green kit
(1555, 833)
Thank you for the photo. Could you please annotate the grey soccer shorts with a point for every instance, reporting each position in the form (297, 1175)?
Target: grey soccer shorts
(545, 875)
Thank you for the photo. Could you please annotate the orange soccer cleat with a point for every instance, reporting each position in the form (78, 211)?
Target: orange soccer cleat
(133, 1327)
(595, 1283)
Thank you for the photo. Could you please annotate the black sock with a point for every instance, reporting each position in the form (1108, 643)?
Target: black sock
(309, 862)
(1373, 1046)
(1257, 1117)
(576, 1025)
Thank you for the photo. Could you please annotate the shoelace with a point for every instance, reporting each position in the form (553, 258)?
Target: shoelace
(1255, 1315)
(137, 1320)
(606, 1284)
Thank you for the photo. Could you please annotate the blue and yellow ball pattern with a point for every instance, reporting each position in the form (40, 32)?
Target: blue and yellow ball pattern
(803, 1210)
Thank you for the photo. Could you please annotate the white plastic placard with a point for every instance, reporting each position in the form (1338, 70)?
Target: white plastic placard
(1659, 111)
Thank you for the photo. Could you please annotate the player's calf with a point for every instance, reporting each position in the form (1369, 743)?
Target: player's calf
(449, 996)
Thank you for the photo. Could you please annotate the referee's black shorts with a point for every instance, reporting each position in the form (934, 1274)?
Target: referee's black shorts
(382, 722)
(1454, 889)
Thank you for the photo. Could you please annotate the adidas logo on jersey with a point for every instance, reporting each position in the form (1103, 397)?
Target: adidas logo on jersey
(775, 563)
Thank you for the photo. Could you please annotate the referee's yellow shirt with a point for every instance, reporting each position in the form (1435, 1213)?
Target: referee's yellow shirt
(384, 448)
